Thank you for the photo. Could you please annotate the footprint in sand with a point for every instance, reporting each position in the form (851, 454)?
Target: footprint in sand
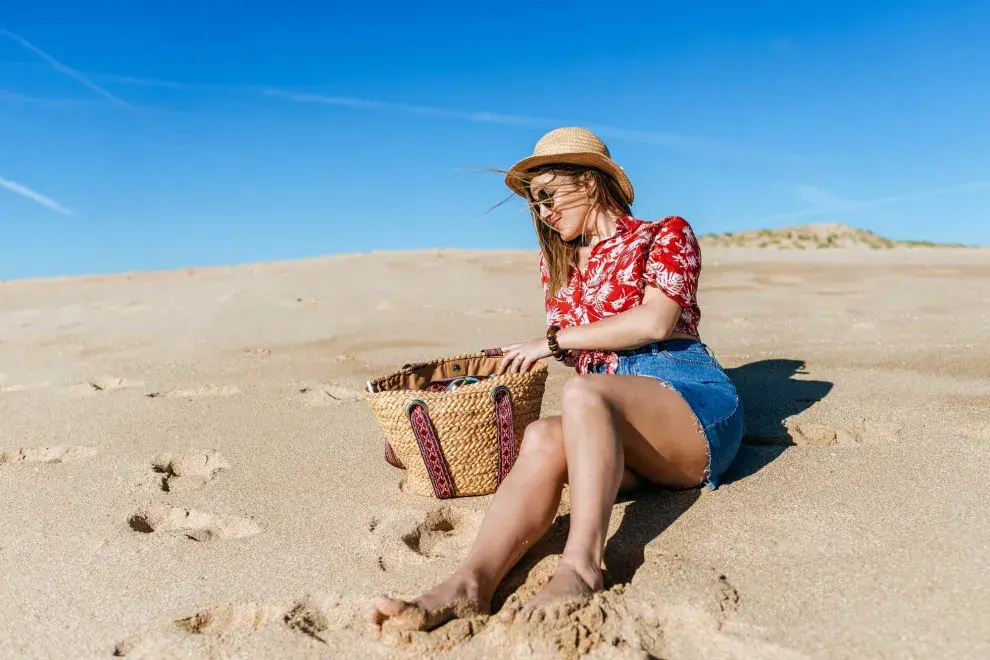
(193, 524)
(194, 392)
(54, 454)
(187, 470)
(315, 616)
(328, 394)
(419, 535)
(861, 432)
(103, 384)
(814, 434)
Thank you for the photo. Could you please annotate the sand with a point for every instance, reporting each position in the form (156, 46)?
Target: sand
(188, 469)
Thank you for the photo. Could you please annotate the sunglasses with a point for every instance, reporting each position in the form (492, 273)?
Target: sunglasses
(542, 198)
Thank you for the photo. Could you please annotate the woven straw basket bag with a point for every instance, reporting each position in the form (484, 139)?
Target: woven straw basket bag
(456, 442)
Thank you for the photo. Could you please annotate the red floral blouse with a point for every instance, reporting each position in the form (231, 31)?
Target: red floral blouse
(663, 253)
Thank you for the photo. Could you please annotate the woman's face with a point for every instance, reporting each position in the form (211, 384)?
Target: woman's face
(562, 203)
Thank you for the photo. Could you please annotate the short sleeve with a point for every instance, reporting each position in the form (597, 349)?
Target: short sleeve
(673, 261)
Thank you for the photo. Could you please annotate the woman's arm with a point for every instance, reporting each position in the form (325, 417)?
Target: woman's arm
(651, 321)
(673, 264)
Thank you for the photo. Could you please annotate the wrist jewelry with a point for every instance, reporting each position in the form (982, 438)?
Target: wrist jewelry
(552, 342)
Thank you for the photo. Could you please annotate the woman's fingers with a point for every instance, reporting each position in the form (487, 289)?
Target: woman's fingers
(515, 360)
(507, 354)
(513, 363)
(506, 360)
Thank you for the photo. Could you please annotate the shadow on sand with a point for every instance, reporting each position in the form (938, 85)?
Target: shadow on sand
(769, 394)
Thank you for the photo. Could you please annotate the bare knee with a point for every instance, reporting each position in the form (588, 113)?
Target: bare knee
(581, 393)
(544, 440)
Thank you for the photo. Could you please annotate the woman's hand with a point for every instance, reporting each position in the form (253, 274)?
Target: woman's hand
(519, 358)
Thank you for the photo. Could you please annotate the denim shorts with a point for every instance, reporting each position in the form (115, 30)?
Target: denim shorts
(690, 368)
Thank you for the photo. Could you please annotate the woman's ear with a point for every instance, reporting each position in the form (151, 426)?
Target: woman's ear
(588, 182)
(589, 185)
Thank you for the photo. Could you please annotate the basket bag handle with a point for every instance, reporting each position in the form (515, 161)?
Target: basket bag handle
(432, 451)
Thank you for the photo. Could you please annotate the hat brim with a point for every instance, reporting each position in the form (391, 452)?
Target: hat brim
(514, 177)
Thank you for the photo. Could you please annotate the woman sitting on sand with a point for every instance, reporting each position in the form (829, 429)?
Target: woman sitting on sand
(650, 404)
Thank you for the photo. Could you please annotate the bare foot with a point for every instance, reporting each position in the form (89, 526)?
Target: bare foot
(567, 582)
(454, 598)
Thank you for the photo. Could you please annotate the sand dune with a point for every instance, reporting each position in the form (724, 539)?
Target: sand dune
(818, 236)
(188, 468)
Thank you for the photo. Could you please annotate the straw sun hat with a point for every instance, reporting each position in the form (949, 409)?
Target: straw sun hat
(570, 145)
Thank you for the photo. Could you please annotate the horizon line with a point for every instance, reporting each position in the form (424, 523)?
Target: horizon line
(248, 263)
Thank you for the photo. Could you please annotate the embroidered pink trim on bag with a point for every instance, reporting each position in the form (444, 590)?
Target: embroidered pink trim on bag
(391, 457)
(505, 430)
(430, 450)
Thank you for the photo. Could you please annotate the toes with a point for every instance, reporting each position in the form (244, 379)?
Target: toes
(509, 613)
(557, 610)
(383, 608)
(536, 613)
(390, 606)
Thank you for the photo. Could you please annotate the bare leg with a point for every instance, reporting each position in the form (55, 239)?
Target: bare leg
(610, 422)
(520, 513)
(524, 507)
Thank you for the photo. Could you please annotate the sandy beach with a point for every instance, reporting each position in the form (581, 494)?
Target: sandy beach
(188, 468)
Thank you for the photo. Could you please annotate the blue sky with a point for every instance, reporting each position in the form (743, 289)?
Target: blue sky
(162, 135)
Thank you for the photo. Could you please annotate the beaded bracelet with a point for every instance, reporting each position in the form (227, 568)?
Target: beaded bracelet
(552, 343)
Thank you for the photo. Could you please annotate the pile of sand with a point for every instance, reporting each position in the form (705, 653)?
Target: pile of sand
(810, 237)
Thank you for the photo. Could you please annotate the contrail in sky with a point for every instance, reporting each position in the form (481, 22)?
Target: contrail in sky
(664, 139)
(667, 139)
(24, 191)
(67, 70)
